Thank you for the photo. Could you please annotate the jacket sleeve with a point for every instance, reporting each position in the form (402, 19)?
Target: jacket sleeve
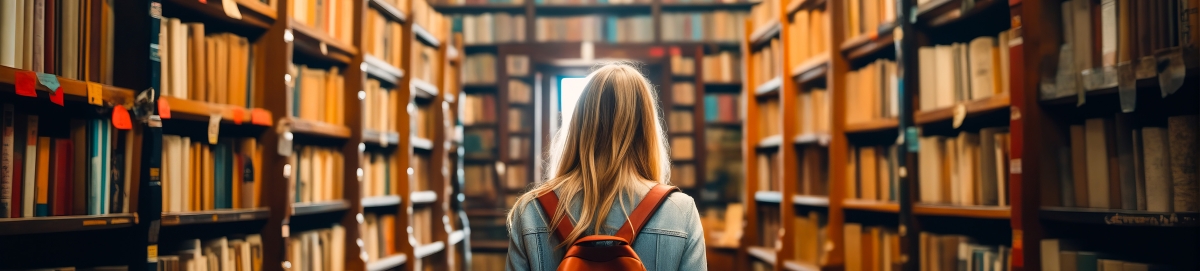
(517, 260)
(694, 255)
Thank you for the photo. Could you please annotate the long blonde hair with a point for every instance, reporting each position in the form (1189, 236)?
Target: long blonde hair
(613, 141)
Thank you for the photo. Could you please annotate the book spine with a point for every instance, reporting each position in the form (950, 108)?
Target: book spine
(6, 155)
(42, 197)
(31, 149)
(63, 179)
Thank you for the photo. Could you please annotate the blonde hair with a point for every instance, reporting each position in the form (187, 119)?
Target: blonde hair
(613, 141)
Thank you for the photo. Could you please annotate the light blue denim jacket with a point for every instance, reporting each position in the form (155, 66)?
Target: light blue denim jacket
(672, 240)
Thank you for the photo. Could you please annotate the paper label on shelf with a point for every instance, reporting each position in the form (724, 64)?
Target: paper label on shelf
(48, 80)
(164, 109)
(152, 253)
(120, 118)
(285, 144)
(324, 48)
(960, 114)
(231, 9)
(25, 83)
(1145, 68)
(1127, 87)
(214, 128)
(1170, 77)
(239, 114)
(95, 94)
(258, 116)
(56, 97)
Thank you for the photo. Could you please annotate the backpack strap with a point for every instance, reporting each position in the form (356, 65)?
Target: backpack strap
(549, 203)
(645, 209)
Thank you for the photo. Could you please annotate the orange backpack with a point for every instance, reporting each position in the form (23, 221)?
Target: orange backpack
(617, 257)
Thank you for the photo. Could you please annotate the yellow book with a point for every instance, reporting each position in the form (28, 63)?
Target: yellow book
(208, 184)
(42, 200)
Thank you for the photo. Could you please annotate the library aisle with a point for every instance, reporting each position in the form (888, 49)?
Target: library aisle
(843, 135)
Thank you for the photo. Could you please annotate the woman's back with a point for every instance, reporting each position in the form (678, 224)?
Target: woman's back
(672, 239)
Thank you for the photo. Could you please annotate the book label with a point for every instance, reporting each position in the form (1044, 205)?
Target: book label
(94, 93)
(214, 128)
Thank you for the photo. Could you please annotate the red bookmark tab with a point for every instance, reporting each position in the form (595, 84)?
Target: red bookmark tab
(656, 51)
(56, 96)
(164, 108)
(675, 51)
(26, 83)
(204, 1)
(258, 116)
(120, 118)
(239, 114)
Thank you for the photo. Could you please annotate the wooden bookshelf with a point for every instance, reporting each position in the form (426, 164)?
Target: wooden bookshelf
(986, 212)
(874, 125)
(870, 205)
(972, 108)
(59, 224)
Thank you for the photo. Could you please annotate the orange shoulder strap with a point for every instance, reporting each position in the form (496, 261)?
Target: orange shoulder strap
(645, 210)
(549, 203)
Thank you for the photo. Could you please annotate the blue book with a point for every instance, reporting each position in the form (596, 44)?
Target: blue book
(697, 27)
(296, 93)
(711, 112)
(1086, 261)
(220, 176)
(612, 29)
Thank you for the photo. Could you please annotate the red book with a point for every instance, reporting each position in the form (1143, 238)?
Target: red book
(18, 164)
(50, 35)
(60, 200)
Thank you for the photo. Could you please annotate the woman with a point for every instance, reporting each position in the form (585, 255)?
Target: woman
(605, 161)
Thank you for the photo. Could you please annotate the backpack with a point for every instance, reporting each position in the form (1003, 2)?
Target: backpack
(620, 256)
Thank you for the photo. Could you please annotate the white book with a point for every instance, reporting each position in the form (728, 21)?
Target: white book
(21, 50)
(1095, 134)
(8, 33)
(1108, 32)
(183, 186)
(945, 79)
(29, 185)
(39, 36)
(983, 78)
(6, 158)
(927, 58)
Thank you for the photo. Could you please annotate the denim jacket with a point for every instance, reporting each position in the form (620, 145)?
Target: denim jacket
(671, 240)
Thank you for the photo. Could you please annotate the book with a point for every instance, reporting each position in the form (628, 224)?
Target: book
(332, 18)
(478, 109)
(317, 174)
(962, 72)
(1157, 161)
(966, 170)
(874, 89)
(479, 68)
(682, 66)
(317, 94)
(1097, 139)
(381, 104)
(7, 131)
(492, 28)
(809, 25)
(384, 38)
(1182, 133)
(714, 26)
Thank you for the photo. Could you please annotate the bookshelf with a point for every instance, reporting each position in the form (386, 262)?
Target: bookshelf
(1032, 117)
(319, 149)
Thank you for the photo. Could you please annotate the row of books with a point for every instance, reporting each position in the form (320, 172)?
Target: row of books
(963, 72)
(479, 142)
(483, 261)
(519, 92)
(725, 66)
(519, 120)
(479, 180)
(873, 173)
(723, 226)
(865, 17)
(426, 64)
(768, 172)
(516, 65)
(519, 147)
(1065, 255)
(681, 121)
(423, 124)
(764, 13)
(382, 106)
(579, 2)
(683, 93)
(873, 91)
(317, 173)
(516, 177)
(420, 163)
(492, 28)
(768, 63)
(682, 65)
(629, 29)
(317, 250)
(50, 37)
(1111, 163)
(968, 169)
(201, 177)
(380, 175)
(384, 38)
(768, 112)
(595, 28)
(808, 27)
(81, 168)
(950, 252)
(317, 94)
(424, 15)
(723, 167)
(478, 109)
(870, 248)
(480, 2)
(682, 148)
(815, 111)
(333, 18)
(723, 107)
(683, 175)
(769, 226)
(231, 253)
(214, 68)
(423, 225)
(814, 170)
(809, 236)
(479, 69)
(379, 236)
(715, 26)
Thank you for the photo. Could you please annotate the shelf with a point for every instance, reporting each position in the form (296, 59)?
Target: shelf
(722, 87)
(489, 245)
(421, 143)
(871, 205)
(819, 138)
(1120, 217)
(316, 43)
(73, 90)
(215, 216)
(382, 70)
(671, 7)
(389, 262)
(1143, 85)
(201, 111)
(724, 124)
(859, 48)
(986, 212)
(380, 138)
(424, 36)
(793, 265)
(456, 237)
(388, 10)
(976, 107)
(764, 254)
(425, 250)
(479, 87)
(939, 13)
(578, 9)
(316, 128)
(381, 201)
(53, 224)
(764, 33)
(770, 142)
(872, 125)
(795, 5)
(478, 8)
(775, 197)
(422, 89)
(812, 201)
(254, 15)
(809, 71)
(423, 197)
(770, 87)
(300, 209)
